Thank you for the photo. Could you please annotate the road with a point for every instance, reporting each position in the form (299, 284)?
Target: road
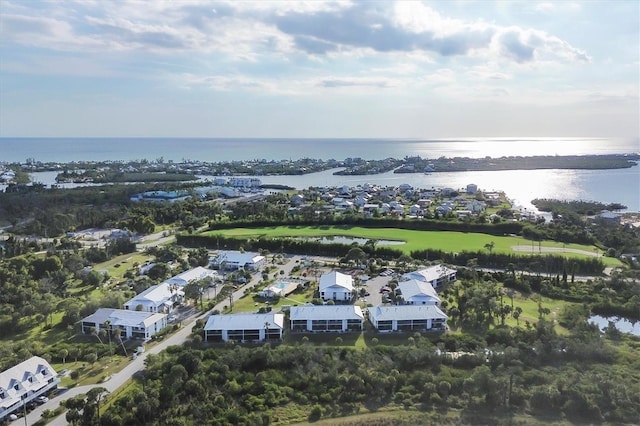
(120, 378)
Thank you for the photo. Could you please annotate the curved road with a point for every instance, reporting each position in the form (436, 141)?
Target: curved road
(120, 378)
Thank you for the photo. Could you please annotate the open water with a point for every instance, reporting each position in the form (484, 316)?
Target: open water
(620, 185)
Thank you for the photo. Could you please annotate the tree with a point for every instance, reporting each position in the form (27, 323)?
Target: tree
(516, 314)
(63, 355)
(94, 396)
(490, 246)
(91, 357)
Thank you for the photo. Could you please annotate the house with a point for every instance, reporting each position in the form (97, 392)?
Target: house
(326, 318)
(336, 286)
(245, 182)
(233, 260)
(475, 206)
(472, 188)
(159, 298)
(408, 318)
(297, 200)
(23, 383)
(415, 210)
(244, 327)
(132, 324)
(435, 275)
(416, 292)
(195, 274)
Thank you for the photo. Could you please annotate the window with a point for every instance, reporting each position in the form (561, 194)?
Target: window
(2, 395)
(45, 372)
(16, 387)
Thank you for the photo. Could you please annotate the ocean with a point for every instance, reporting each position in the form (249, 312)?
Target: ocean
(620, 185)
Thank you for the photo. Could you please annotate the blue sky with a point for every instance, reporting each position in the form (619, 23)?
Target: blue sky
(403, 69)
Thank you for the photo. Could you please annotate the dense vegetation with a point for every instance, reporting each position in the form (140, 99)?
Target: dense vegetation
(582, 378)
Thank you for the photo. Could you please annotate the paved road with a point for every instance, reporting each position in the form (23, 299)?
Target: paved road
(120, 378)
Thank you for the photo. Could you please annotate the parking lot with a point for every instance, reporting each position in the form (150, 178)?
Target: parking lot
(373, 286)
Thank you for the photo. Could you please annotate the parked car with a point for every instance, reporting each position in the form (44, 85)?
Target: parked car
(41, 399)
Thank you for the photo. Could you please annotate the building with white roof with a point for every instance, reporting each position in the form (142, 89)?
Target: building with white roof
(132, 324)
(159, 298)
(195, 274)
(435, 275)
(323, 318)
(336, 286)
(23, 383)
(244, 327)
(416, 292)
(232, 260)
(408, 318)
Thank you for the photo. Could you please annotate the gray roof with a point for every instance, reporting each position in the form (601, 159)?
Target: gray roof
(415, 288)
(325, 312)
(406, 312)
(123, 317)
(244, 321)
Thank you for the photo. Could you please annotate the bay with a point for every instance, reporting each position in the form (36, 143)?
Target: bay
(618, 185)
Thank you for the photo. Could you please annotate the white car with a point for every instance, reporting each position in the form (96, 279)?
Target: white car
(41, 399)
(13, 417)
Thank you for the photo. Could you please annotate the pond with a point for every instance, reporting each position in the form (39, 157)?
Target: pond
(335, 239)
(622, 324)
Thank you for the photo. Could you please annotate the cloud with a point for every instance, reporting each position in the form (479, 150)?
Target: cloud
(354, 81)
(249, 30)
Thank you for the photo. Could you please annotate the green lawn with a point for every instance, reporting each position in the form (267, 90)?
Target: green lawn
(448, 241)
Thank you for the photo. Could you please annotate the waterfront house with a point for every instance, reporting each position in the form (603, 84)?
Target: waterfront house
(132, 324)
(22, 383)
(336, 286)
(416, 292)
(244, 327)
(159, 298)
(406, 318)
(435, 275)
(326, 318)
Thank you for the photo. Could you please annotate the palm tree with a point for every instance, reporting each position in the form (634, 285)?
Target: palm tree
(107, 327)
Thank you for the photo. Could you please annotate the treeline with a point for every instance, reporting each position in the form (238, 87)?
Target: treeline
(548, 264)
(513, 372)
(582, 207)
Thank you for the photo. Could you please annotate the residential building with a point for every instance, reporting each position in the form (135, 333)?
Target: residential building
(416, 292)
(435, 275)
(159, 298)
(326, 318)
(195, 274)
(244, 327)
(132, 324)
(408, 318)
(23, 383)
(336, 286)
(233, 260)
(472, 188)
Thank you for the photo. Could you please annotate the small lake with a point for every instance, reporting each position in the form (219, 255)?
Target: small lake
(350, 240)
(622, 324)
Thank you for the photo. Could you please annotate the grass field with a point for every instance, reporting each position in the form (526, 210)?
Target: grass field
(448, 241)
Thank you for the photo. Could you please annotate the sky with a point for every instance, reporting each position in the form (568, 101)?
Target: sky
(353, 69)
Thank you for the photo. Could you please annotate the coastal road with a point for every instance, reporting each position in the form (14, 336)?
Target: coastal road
(119, 379)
